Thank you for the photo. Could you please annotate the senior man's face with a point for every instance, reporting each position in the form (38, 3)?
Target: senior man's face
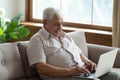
(54, 27)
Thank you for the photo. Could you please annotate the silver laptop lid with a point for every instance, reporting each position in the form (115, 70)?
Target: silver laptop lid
(105, 63)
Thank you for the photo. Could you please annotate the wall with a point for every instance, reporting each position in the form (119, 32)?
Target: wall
(13, 7)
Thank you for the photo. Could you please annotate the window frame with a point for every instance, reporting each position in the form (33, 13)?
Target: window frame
(29, 18)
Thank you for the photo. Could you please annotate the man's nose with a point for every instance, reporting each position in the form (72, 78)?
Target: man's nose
(59, 27)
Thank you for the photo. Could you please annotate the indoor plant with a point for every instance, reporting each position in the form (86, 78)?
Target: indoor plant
(12, 29)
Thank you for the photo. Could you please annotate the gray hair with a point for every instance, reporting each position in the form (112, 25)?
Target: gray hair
(48, 13)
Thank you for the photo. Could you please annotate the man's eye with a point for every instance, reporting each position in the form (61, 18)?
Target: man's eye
(56, 24)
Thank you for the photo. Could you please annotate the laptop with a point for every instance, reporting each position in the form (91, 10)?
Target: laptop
(105, 64)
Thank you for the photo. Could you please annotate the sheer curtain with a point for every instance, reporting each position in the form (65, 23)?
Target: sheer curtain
(116, 24)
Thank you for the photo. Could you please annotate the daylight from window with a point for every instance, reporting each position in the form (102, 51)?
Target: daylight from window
(97, 12)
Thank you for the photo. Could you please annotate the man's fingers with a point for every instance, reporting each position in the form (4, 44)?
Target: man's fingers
(84, 70)
(93, 66)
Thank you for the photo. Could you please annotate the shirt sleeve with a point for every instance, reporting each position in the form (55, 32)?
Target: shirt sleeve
(35, 51)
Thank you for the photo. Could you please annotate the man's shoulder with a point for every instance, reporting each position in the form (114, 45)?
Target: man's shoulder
(36, 35)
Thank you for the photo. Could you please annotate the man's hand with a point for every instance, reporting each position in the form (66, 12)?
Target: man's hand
(80, 69)
(88, 63)
(91, 66)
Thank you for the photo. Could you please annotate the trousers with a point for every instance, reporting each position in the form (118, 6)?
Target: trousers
(113, 75)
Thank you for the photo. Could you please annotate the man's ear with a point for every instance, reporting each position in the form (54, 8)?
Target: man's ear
(44, 22)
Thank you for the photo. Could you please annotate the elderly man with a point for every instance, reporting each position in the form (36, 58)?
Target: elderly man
(53, 53)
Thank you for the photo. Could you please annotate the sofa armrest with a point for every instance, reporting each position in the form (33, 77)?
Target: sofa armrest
(94, 52)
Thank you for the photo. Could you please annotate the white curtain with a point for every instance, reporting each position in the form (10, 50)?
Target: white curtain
(116, 24)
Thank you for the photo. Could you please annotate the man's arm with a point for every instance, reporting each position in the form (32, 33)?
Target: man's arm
(53, 71)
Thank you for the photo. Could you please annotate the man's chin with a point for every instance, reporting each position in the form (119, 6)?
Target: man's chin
(56, 34)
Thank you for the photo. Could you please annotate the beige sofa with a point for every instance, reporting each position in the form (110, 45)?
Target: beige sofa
(14, 63)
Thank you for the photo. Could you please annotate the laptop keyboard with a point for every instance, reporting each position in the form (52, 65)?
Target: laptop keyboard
(87, 75)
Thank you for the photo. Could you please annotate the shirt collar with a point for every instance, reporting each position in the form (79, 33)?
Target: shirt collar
(45, 34)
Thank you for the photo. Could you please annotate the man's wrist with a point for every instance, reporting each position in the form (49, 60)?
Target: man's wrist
(72, 71)
(88, 62)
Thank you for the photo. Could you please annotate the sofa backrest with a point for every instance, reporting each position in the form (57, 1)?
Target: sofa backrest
(11, 66)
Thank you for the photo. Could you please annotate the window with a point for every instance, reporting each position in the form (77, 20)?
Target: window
(90, 12)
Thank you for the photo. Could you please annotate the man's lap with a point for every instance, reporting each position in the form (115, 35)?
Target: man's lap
(113, 75)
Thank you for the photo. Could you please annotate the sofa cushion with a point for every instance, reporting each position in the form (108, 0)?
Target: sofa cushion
(10, 62)
(80, 40)
(96, 50)
(29, 72)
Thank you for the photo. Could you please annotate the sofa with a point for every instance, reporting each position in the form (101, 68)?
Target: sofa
(14, 64)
